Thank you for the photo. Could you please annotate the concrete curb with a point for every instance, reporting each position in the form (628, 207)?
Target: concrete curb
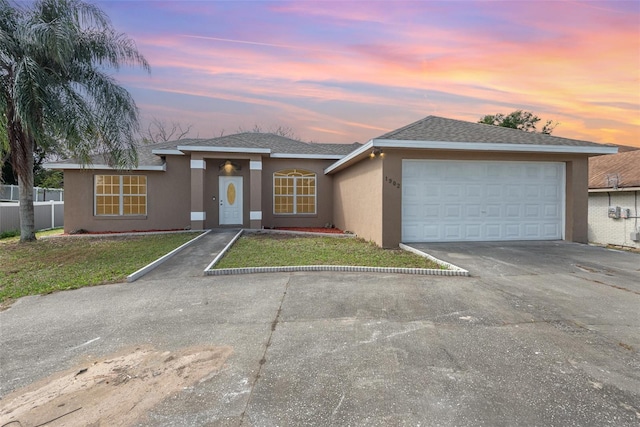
(223, 252)
(461, 271)
(453, 270)
(338, 268)
(144, 270)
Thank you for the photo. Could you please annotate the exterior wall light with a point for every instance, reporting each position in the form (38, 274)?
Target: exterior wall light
(228, 166)
(376, 152)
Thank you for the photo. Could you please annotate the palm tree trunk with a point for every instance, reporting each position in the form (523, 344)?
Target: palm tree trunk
(25, 186)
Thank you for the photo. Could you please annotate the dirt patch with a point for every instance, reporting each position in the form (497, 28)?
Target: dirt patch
(117, 390)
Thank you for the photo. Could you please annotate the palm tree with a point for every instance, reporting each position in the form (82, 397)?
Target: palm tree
(55, 93)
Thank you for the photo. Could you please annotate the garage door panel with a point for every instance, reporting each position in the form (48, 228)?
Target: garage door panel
(481, 200)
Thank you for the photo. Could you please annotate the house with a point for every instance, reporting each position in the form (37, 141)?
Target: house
(614, 187)
(434, 180)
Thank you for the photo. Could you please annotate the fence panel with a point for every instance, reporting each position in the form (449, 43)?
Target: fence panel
(11, 193)
(46, 215)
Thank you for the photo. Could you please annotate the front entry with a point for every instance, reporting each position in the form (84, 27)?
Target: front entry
(230, 200)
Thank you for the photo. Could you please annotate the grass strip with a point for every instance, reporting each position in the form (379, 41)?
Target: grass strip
(272, 250)
(68, 262)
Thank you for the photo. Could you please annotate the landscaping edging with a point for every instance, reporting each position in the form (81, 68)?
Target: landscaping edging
(452, 269)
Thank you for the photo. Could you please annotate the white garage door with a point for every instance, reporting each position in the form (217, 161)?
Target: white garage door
(449, 201)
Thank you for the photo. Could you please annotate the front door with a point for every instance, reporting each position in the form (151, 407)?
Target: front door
(230, 200)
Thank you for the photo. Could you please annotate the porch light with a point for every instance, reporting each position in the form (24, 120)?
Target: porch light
(228, 166)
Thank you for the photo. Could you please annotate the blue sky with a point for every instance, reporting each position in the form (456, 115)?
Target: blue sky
(351, 70)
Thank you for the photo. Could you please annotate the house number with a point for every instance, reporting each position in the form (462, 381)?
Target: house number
(392, 182)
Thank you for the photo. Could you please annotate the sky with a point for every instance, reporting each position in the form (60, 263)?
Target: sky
(346, 71)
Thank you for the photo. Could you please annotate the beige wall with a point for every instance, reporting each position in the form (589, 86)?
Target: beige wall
(324, 191)
(358, 192)
(168, 200)
(613, 231)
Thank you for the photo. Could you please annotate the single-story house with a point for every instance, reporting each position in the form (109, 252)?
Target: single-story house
(614, 187)
(434, 180)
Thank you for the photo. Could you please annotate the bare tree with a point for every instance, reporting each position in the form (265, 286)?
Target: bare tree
(279, 130)
(161, 131)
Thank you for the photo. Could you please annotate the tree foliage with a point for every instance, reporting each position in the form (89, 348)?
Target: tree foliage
(56, 94)
(522, 120)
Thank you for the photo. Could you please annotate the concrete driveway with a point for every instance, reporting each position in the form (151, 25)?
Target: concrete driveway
(542, 334)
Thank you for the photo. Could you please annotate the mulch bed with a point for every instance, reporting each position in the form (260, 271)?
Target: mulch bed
(312, 229)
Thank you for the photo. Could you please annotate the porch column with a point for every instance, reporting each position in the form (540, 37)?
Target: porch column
(198, 214)
(255, 202)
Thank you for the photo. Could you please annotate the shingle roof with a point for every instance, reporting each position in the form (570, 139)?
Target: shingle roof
(276, 143)
(623, 168)
(433, 128)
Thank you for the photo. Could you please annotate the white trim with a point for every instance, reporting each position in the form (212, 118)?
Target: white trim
(101, 167)
(470, 146)
(198, 216)
(255, 215)
(225, 149)
(345, 159)
(490, 146)
(167, 151)
(255, 165)
(613, 190)
(198, 164)
(306, 156)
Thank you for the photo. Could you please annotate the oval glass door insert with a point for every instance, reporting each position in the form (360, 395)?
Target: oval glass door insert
(231, 194)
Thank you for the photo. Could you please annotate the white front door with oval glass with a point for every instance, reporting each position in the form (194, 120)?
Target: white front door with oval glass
(230, 200)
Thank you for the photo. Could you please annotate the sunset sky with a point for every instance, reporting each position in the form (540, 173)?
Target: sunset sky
(351, 70)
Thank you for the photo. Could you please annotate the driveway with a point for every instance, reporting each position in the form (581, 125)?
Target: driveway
(542, 334)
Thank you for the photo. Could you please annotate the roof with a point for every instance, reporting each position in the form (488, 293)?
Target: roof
(622, 169)
(439, 133)
(433, 128)
(275, 143)
(149, 155)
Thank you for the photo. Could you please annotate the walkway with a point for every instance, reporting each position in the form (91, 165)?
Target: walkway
(192, 260)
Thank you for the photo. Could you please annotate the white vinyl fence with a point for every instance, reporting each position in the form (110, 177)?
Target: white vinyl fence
(47, 215)
(9, 193)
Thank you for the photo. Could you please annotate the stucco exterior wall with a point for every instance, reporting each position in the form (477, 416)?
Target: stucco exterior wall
(324, 193)
(168, 200)
(608, 231)
(575, 190)
(358, 192)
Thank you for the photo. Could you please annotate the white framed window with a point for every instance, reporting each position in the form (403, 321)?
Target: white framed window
(120, 195)
(294, 192)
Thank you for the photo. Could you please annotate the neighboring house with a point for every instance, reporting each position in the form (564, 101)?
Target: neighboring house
(614, 187)
(434, 180)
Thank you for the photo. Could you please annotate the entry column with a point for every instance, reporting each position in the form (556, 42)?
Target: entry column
(198, 214)
(255, 202)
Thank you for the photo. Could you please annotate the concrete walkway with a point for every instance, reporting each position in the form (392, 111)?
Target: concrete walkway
(192, 260)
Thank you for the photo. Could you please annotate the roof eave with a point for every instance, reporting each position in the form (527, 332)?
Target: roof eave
(488, 146)
(354, 156)
(306, 156)
(610, 189)
(225, 149)
(78, 166)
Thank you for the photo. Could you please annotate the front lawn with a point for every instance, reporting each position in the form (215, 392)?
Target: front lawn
(69, 262)
(272, 250)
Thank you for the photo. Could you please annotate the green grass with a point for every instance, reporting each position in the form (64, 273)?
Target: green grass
(257, 250)
(69, 262)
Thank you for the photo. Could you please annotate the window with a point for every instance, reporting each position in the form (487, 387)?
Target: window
(294, 192)
(121, 195)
